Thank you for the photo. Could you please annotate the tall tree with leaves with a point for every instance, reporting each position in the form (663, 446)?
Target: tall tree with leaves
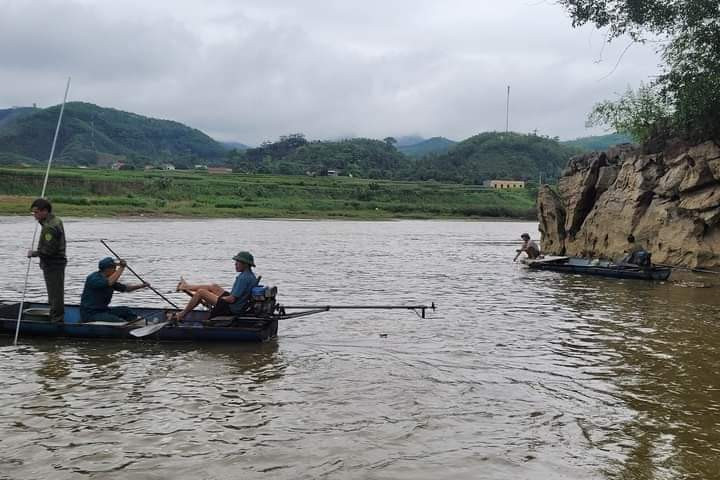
(689, 34)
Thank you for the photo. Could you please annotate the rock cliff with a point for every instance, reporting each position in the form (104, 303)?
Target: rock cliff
(670, 202)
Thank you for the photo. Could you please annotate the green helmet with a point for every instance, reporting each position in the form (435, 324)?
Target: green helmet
(245, 257)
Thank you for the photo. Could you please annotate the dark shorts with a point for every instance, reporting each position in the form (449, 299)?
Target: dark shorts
(221, 308)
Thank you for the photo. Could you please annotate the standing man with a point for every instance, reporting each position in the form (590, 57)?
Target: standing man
(51, 250)
(98, 292)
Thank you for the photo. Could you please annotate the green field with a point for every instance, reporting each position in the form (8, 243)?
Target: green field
(95, 192)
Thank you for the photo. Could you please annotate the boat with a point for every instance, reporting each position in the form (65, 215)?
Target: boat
(602, 268)
(260, 324)
(242, 328)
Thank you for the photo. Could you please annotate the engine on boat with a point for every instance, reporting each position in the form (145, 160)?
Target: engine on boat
(264, 300)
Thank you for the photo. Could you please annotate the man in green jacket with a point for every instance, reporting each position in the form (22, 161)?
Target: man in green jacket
(51, 250)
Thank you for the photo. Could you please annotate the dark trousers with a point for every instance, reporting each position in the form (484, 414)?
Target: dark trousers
(55, 283)
(112, 314)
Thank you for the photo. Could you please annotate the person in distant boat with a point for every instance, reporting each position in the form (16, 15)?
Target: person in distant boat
(636, 255)
(98, 292)
(222, 302)
(529, 247)
(51, 250)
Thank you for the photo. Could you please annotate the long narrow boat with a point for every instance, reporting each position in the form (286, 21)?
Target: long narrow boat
(587, 266)
(241, 328)
(258, 326)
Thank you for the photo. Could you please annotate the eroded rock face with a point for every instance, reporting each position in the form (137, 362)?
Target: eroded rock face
(670, 202)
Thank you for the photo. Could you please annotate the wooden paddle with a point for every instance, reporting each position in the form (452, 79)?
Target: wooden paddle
(139, 277)
(148, 330)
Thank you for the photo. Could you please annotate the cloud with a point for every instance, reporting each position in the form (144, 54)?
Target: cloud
(254, 70)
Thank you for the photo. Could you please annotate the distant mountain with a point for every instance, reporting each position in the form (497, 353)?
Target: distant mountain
(431, 145)
(407, 140)
(234, 146)
(93, 135)
(598, 143)
(496, 155)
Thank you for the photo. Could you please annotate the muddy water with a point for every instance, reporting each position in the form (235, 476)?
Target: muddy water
(518, 374)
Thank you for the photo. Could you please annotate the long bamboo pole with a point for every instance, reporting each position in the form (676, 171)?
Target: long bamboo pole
(42, 195)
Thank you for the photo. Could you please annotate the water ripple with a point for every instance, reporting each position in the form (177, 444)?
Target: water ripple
(519, 374)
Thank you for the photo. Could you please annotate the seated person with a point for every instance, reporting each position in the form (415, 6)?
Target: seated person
(529, 247)
(98, 291)
(635, 255)
(222, 302)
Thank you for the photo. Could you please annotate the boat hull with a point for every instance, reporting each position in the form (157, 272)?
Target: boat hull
(34, 323)
(602, 269)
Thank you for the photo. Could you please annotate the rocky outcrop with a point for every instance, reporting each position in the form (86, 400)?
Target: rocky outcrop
(669, 201)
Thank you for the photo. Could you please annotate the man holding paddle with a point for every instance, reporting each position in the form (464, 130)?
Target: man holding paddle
(98, 292)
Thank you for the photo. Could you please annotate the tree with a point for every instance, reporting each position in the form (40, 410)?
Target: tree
(690, 82)
(640, 114)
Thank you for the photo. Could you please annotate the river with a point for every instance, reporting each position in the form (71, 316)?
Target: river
(518, 374)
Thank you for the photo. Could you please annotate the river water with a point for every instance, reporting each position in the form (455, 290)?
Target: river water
(517, 375)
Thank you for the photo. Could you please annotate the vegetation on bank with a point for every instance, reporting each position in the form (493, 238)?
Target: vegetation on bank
(95, 192)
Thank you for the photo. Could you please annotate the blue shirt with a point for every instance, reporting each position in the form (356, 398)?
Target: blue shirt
(241, 290)
(97, 294)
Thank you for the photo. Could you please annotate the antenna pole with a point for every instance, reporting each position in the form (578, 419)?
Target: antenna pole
(507, 111)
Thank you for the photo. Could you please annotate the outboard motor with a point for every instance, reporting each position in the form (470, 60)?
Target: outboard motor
(263, 300)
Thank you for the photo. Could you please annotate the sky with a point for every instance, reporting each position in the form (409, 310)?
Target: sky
(253, 70)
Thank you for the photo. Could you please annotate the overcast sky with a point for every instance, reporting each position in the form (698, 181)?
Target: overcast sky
(252, 70)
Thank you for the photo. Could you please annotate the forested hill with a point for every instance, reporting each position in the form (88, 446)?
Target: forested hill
(294, 155)
(494, 155)
(483, 157)
(93, 135)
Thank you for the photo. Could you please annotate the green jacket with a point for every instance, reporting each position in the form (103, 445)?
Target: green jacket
(51, 247)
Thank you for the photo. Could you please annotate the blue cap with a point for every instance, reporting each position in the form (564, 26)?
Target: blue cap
(106, 262)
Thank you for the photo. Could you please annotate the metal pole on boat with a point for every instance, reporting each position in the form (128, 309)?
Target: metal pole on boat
(422, 308)
(42, 195)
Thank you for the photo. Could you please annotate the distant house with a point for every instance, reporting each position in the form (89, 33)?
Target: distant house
(201, 167)
(332, 173)
(219, 170)
(501, 184)
(168, 166)
(117, 165)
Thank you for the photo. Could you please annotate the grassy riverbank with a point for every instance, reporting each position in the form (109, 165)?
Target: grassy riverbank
(90, 192)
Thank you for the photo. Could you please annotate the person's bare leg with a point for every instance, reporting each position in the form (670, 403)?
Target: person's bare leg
(201, 295)
(214, 288)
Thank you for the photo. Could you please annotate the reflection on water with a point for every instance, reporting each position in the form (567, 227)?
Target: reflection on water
(519, 374)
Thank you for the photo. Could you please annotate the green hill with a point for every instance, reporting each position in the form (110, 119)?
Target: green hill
(598, 143)
(431, 145)
(494, 155)
(93, 135)
(294, 155)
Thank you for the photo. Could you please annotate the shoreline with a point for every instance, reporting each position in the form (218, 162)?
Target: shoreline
(163, 217)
